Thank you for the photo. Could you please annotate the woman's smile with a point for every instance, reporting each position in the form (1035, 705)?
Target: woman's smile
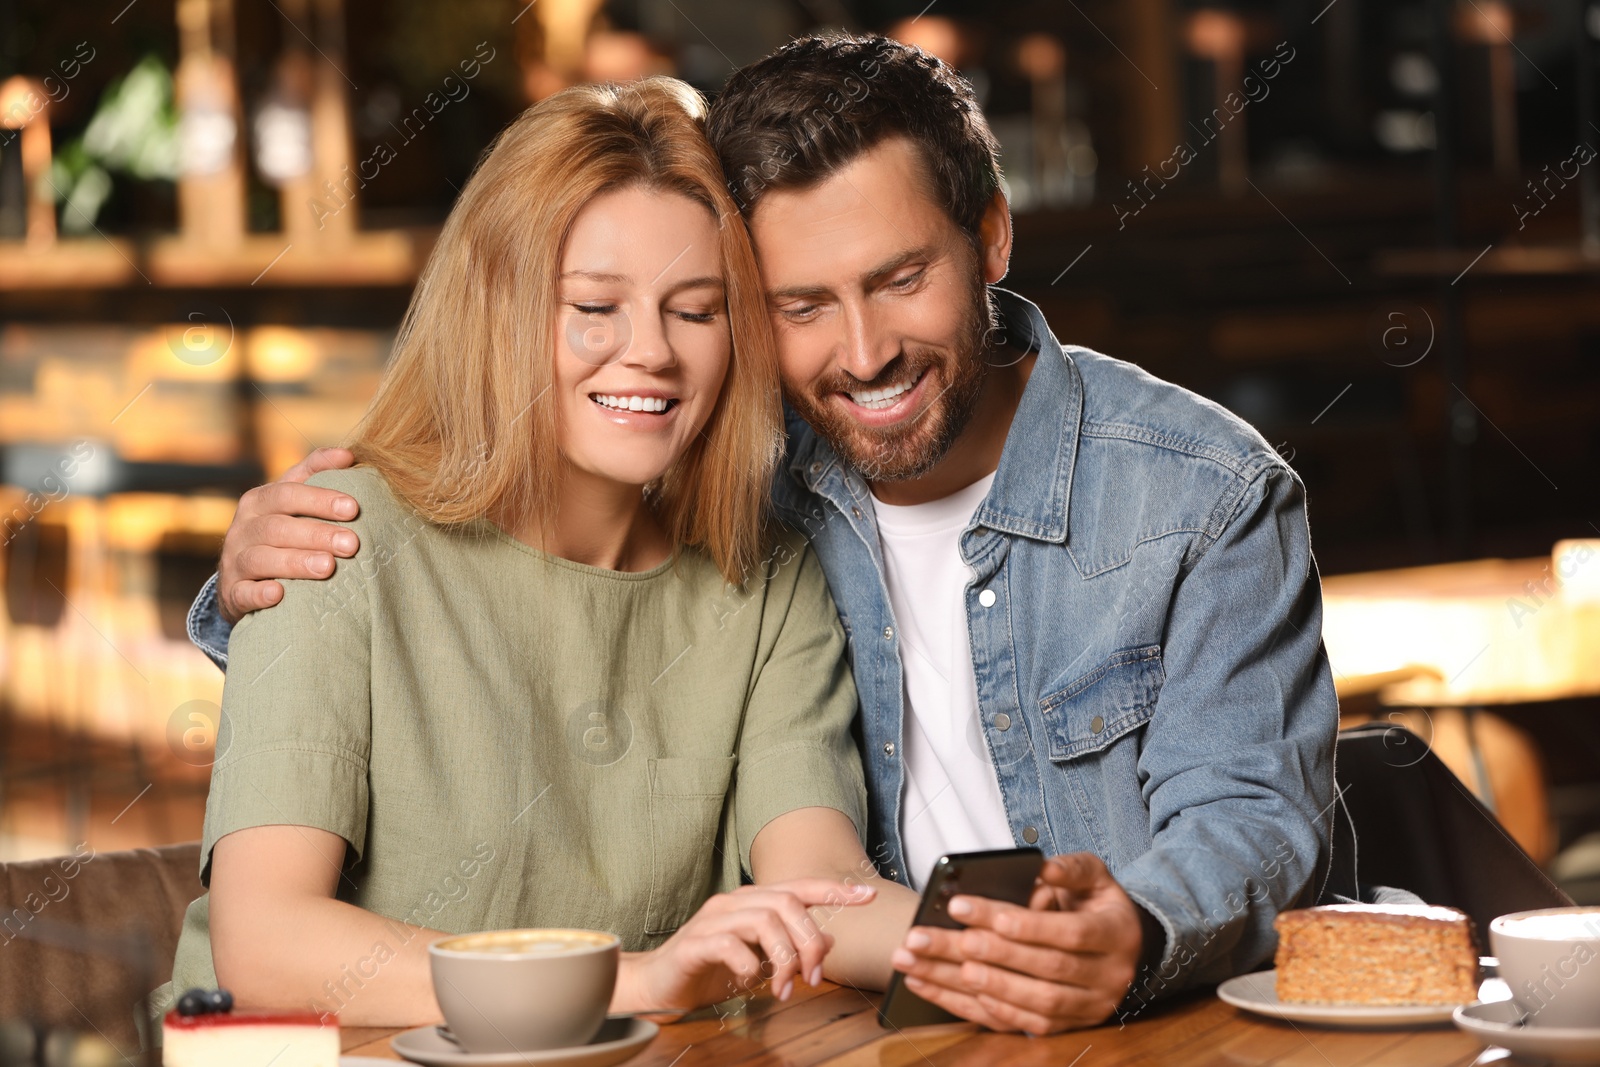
(637, 409)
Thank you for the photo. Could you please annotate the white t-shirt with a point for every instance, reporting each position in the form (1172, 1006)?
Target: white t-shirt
(952, 796)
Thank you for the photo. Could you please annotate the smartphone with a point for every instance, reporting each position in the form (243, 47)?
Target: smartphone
(1006, 874)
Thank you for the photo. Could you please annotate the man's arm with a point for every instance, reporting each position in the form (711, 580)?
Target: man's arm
(1239, 760)
(1238, 769)
(278, 532)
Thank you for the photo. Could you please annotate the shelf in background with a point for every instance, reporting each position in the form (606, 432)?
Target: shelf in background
(1508, 260)
(375, 258)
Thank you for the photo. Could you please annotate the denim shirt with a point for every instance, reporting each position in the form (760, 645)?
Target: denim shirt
(1151, 680)
(1146, 631)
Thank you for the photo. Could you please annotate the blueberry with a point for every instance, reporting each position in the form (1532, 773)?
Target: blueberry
(219, 1000)
(193, 1002)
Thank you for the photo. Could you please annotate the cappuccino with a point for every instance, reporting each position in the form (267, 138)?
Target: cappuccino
(1551, 961)
(525, 990)
(532, 942)
(1564, 925)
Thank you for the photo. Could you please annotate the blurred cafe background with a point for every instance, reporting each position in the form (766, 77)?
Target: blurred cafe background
(1370, 227)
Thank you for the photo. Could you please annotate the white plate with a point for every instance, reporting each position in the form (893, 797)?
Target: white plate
(1500, 1024)
(619, 1039)
(1258, 993)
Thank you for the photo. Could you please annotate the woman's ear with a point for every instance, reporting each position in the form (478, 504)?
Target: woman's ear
(994, 238)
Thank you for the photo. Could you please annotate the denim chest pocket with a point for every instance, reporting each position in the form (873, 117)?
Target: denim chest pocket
(1112, 700)
(687, 797)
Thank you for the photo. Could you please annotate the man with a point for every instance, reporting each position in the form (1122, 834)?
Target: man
(1082, 605)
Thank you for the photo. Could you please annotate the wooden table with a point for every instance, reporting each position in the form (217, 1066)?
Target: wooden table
(1491, 631)
(835, 1026)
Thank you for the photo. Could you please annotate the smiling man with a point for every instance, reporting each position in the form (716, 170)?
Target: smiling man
(1083, 609)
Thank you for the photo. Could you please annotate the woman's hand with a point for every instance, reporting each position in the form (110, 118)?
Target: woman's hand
(822, 843)
(735, 942)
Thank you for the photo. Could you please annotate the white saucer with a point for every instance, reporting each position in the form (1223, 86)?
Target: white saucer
(1500, 1024)
(619, 1039)
(1258, 993)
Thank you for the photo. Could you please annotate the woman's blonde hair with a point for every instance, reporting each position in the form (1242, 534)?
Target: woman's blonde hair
(458, 428)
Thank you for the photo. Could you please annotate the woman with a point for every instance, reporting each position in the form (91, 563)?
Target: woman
(565, 681)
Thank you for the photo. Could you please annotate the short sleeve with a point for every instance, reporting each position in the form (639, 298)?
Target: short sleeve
(796, 749)
(296, 709)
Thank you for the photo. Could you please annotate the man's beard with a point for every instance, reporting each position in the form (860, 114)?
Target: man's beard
(912, 447)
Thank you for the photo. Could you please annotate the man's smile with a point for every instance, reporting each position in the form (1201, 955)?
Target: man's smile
(886, 405)
(878, 399)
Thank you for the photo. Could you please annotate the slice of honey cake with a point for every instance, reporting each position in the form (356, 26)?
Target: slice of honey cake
(1376, 954)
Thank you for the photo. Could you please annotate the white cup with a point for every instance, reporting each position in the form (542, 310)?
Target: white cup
(525, 990)
(1551, 960)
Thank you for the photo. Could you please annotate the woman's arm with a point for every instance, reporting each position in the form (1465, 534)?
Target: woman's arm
(822, 843)
(280, 940)
(799, 787)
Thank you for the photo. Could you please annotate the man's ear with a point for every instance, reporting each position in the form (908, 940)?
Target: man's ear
(994, 238)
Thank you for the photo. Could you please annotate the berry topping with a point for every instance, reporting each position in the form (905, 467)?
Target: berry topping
(205, 1002)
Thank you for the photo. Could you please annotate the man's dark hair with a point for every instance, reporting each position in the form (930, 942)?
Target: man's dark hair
(791, 120)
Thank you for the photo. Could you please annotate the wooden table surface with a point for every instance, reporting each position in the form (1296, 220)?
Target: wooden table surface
(1490, 631)
(835, 1026)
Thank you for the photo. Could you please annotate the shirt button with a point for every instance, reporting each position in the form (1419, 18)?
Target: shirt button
(1029, 834)
(888, 633)
(894, 873)
(1096, 724)
(855, 511)
(816, 468)
(1002, 721)
(986, 598)
(888, 748)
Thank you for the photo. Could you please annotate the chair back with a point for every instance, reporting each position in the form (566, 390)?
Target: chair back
(83, 937)
(1404, 820)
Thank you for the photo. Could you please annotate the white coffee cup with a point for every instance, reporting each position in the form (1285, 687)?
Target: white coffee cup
(524, 990)
(1551, 960)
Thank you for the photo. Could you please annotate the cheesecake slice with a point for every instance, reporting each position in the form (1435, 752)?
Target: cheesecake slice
(1390, 954)
(250, 1039)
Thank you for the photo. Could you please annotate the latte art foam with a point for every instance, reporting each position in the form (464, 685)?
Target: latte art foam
(528, 942)
(1559, 926)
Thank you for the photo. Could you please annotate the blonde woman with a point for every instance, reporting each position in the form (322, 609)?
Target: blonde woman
(569, 679)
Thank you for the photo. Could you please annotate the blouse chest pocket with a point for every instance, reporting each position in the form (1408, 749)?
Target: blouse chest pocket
(687, 797)
(1109, 702)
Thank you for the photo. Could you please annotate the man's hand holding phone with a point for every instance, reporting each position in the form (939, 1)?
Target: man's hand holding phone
(1063, 962)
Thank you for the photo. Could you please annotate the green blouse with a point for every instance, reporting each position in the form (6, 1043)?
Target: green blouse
(508, 739)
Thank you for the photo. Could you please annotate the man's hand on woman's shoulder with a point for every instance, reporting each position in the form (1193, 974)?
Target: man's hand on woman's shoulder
(281, 531)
